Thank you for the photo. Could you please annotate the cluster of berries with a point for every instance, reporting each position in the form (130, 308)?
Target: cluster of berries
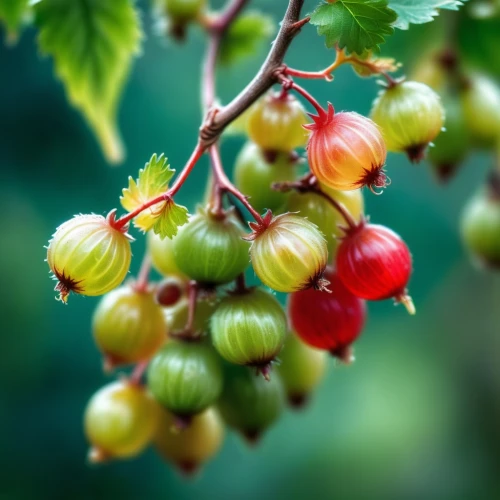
(472, 104)
(207, 340)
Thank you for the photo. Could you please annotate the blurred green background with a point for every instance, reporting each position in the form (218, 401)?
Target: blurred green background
(417, 415)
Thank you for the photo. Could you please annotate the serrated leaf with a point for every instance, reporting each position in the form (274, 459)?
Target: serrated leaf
(152, 181)
(244, 35)
(356, 25)
(171, 218)
(13, 14)
(420, 11)
(93, 43)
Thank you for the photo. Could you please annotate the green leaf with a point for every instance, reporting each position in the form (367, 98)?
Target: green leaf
(356, 25)
(244, 36)
(152, 182)
(420, 11)
(13, 14)
(93, 43)
(171, 218)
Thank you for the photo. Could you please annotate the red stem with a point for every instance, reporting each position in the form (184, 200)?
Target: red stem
(224, 184)
(339, 207)
(192, 298)
(309, 97)
(179, 181)
(139, 369)
(141, 284)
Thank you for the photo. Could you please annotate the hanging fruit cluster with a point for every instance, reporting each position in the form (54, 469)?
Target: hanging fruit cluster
(472, 104)
(210, 350)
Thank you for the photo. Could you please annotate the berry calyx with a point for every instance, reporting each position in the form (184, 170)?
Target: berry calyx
(185, 377)
(188, 449)
(170, 291)
(374, 263)
(275, 123)
(88, 256)
(480, 225)
(410, 115)
(328, 321)
(249, 329)
(250, 404)
(128, 326)
(289, 253)
(346, 151)
(255, 172)
(120, 420)
(210, 249)
(301, 369)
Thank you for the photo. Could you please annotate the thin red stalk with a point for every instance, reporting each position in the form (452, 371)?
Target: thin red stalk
(226, 185)
(192, 298)
(307, 75)
(339, 207)
(308, 96)
(141, 284)
(179, 181)
(139, 369)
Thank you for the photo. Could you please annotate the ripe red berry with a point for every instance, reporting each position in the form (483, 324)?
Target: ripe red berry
(374, 263)
(329, 321)
(346, 151)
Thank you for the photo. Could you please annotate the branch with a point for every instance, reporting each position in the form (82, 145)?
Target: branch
(264, 79)
(217, 30)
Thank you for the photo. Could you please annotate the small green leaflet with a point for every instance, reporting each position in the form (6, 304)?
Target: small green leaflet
(244, 36)
(356, 25)
(13, 14)
(93, 43)
(420, 11)
(164, 217)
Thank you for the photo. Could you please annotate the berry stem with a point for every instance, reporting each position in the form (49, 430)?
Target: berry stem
(136, 375)
(309, 184)
(225, 185)
(303, 92)
(342, 58)
(141, 284)
(192, 299)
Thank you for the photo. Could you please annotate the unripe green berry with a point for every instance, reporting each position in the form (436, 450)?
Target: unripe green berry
(410, 115)
(193, 446)
(250, 404)
(162, 256)
(452, 144)
(129, 326)
(210, 250)
(320, 211)
(301, 369)
(275, 123)
(480, 227)
(120, 421)
(249, 328)
(290, 254)
(88, 256)
(182, 11)
(185, 377)
(481, 107)
(254, 176)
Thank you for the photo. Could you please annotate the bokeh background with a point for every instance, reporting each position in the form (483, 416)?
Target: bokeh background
(416, 416)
